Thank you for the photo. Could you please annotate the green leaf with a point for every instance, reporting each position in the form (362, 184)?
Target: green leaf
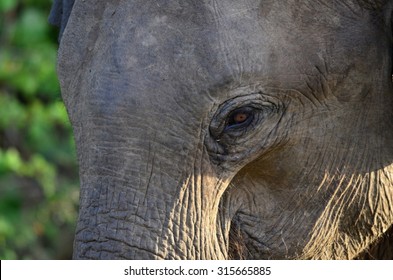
(7, 5)
(15, 113)
(39, 190)
(31, 29)
(10, 160)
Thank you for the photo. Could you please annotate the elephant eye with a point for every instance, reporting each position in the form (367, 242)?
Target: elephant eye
(240, 118)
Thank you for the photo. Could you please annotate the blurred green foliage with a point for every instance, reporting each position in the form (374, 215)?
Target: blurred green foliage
(38, 173)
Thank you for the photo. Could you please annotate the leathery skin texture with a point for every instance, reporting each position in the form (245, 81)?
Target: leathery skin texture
(230, 129)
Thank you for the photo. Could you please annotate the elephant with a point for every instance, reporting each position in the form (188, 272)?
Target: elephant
(227, 129)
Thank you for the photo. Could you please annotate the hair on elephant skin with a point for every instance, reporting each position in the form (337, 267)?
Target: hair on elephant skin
(230, 129)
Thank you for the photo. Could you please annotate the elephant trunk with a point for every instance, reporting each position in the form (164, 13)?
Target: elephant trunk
(110, 227)
(116, 223)
(137, 204)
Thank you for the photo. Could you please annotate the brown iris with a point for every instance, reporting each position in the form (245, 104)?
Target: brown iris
(239, 118)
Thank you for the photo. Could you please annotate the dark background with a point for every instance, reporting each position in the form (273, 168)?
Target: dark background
(38, 174)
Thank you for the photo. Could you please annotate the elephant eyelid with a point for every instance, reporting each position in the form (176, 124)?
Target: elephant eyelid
(236, 117)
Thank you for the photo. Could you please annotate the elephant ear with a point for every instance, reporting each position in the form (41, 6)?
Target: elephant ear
(59, 14)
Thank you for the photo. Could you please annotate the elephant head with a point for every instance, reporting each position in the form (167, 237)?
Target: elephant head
(230, 129)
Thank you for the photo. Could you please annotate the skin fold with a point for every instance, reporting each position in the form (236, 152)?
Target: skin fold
(231, 129)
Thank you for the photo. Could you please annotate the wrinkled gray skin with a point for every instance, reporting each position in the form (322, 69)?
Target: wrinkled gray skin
(231, 129)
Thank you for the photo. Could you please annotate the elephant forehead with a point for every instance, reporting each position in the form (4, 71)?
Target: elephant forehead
(180, 42)
(201, 43)
(167, 49)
